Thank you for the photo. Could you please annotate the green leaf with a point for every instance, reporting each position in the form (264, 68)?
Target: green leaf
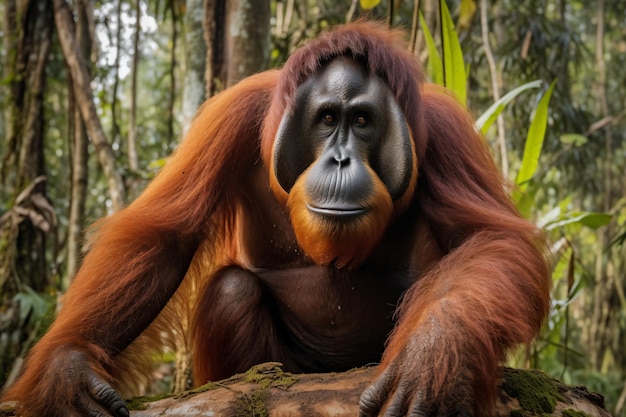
(573, 139)
(467, 9)
(435, 68)
(157, 164)
(453, 64)
(368, 4)
(555, 213)
(487, 119)
(596, 220)
(32, 303)
(534, 140)
(592, 220)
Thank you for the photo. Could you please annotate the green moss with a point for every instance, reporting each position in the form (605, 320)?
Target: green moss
(139, 403)
(270, 375)
(252, 405)
(518, 413)
(574, 413)
(209, 386)
(537, 392)
(266, 375)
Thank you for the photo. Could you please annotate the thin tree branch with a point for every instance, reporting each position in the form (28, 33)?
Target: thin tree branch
(414, 25)
(84, 96)
(493, 70)
(133, 163)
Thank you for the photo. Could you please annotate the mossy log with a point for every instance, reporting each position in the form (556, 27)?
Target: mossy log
(266, 390)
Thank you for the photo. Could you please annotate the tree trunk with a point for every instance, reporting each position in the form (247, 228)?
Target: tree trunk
(195, 88)
(28, 226)
(171, 135)
(605, 302)
(79, 155)
(214, 32)
(84, 96)
(267, 390)
(248, 41)
(115, 127)
(240, 46)
(133, 163)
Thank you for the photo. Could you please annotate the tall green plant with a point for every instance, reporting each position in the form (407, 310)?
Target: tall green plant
(454, 74)
(532, 151)
(448, 71)
(487, 119)
(534, 140)
(434, 66)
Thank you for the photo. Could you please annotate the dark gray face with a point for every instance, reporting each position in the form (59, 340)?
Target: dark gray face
(345, 120)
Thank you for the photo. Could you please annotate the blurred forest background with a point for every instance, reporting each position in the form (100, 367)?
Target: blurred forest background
(96, 94)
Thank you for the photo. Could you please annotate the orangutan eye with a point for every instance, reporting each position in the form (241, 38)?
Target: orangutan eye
(328, 118)
(361, 120)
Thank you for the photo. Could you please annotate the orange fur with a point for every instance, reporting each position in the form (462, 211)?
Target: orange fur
(348, 243)
(151, 241)
(491, 292)
(480, 280)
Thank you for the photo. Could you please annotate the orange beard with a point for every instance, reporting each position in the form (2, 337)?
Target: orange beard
(342, 243)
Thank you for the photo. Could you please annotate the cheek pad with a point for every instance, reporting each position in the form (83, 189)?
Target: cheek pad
(394, 160)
